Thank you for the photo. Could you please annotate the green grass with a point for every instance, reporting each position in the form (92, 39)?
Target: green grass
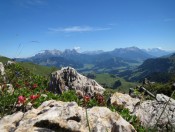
(109, 81)
(38, 69)
(103, 78)
(34, 68)
(126, 85)
(4, 59)
(88, 66)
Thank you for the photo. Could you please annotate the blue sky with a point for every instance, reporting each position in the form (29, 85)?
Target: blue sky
(30, 26)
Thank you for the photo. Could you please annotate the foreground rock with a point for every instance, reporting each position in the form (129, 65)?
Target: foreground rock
(65, 116)
(125, 100)
(69, 79)
(149, 111)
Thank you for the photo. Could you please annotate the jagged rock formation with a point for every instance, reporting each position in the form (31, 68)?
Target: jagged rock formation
(65, 116)
(9, 87)
(2, 69)
(10, 62)
(69, 79)
(149, 111)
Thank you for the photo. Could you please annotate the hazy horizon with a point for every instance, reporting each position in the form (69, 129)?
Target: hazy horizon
(89, 51)
(30, 26)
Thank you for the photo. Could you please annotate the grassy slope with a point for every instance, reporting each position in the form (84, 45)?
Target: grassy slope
(4, 59)
(38, 69)
(110, 80)
(100, 78)
(34, 68)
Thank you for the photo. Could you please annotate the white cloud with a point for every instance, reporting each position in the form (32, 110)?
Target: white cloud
(77, 48)
(78, 29)
(160, 48)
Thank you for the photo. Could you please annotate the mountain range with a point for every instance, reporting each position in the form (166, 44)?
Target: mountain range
(98, 61)
(157, 52)
(161, 69)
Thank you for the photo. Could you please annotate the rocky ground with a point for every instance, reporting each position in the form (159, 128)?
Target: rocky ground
(157, 113)
(65, 116)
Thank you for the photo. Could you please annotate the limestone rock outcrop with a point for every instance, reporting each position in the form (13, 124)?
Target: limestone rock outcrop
(69, 79)
(10, 62)
(2, 70)
(65, 116)
(125, 100)
(9, 122)
(149, 111)
(8, 87)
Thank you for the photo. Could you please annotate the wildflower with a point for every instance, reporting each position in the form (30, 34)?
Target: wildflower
(35, 86)
(86, 98)
(34, 97)
(100, 99)
(21, 100)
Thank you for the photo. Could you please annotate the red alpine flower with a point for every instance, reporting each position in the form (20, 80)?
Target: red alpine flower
(100, 99)
(33, 97)
(21, 100)
(86, 98)
(35, 86)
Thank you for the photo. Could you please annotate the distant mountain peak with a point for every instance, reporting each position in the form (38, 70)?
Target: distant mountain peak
(48, 53)
(133, 48)
(70, 51)
(155, 49)
(156, 52)
(133, 53)
(53, 52)
(95, 52)
(56, 53)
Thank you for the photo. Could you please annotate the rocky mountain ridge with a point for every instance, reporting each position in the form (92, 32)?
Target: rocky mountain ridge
(117, 52)
(123, 57)
(157, 52)
(156, 69)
